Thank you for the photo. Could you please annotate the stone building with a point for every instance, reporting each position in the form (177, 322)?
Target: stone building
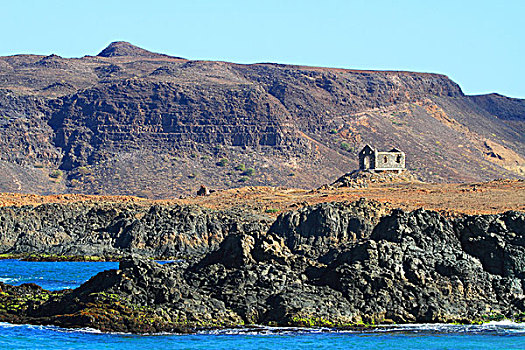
(372, 159)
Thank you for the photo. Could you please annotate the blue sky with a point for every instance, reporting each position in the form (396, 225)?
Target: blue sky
(479, 44)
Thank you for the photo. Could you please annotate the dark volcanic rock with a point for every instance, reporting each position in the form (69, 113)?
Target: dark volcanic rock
(115, 230)
(411, 267)
(498, 241)
(315, 230)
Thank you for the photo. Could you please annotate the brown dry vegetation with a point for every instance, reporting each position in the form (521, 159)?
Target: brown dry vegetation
(453, 199)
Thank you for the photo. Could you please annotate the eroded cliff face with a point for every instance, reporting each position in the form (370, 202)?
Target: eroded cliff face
(167, 117)
(113, 230)
(330, 265)
(129, 121)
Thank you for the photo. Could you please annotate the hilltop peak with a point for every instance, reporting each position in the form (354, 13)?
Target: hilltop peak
(123, 48)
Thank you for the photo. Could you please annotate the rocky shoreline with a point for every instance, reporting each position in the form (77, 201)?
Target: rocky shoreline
(334, 265)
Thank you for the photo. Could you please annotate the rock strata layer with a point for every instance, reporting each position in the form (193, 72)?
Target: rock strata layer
(133, 122)
(330, 265)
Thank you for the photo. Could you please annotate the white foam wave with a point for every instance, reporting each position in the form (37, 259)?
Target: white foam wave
(10, 325)
(51, 328)
(494, 327)
(26, 279)
(265, 330)
(24, 325)
(9, 280)
(499, 327)
(442, 328)
(85, 330)
(505, 323)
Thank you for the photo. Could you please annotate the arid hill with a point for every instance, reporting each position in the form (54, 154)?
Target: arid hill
(132, 122)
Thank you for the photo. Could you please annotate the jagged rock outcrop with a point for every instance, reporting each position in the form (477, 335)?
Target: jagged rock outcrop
(363, 178)
(498, 241)
(111, 230)
(316, 230)
(411, 267)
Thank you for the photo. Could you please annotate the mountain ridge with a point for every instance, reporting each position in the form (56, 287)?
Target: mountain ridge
(123, 48)
(136, 122)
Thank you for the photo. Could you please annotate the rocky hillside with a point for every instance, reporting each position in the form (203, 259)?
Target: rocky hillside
(332, 265)
(129, 121)
(510, 110)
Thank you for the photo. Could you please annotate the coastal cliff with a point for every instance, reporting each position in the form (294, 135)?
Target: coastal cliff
(333, 265)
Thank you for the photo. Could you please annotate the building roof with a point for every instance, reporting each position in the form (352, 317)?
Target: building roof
(367, 146)
(393, 150)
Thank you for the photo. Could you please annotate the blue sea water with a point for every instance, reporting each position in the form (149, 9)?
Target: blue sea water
(58, 275)
(51, 275)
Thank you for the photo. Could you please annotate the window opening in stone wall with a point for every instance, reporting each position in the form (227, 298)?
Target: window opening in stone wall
(398, 158)
(385, 159)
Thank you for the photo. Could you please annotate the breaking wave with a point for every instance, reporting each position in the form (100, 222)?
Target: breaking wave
(500, 327)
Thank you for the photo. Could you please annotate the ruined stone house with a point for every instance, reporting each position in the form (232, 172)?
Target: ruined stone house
(372, 159)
